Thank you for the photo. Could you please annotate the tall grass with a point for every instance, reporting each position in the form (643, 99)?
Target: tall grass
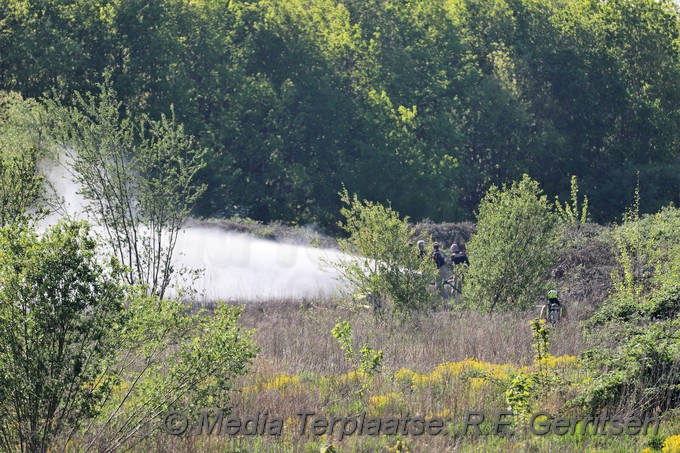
(294, 337)
(441, 364)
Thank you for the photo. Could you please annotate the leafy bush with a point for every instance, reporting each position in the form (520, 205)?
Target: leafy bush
(22, 187)
(635, 357)
(87, 360)
(169, 358)
(59, 312)
(384, 263)
(642, 372)
(368, 361)
(513, 249)
(571, 214)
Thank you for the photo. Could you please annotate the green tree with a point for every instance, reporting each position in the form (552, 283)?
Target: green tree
(24, 192)
(87, 360)
(139, 180)
(295, 97)
(513, 249)
(58, 313)
(383, 264)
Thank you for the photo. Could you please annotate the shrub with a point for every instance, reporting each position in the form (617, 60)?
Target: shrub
(368, 361)
(22, 187)
(635, 356)
(169, 358)
(513, 249)
(58, 312)
(642, 372)
(384, 263)
(87, 360)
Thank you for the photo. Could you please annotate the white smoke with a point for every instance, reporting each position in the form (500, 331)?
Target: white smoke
(234, 266)
(237, 266)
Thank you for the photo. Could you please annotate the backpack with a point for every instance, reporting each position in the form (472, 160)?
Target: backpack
(438, 258)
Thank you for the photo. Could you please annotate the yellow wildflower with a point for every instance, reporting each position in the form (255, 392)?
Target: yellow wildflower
(671, 444)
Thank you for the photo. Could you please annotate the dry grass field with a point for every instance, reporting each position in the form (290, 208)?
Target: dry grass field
(443, 364)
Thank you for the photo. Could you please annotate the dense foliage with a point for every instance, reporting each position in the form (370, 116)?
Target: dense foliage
(90, 351)
(382, 264)
(514, 248)
(636, 333)
(58, 310)
(23, 188)
(424, 103)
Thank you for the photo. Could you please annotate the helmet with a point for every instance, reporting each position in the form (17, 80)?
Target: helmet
(552, 294)
(435, 245)
(454, 248)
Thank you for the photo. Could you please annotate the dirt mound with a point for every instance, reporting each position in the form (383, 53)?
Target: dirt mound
(583, 270)
(446, 233)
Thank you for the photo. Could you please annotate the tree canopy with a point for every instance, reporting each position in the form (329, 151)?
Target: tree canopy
(425, 103)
